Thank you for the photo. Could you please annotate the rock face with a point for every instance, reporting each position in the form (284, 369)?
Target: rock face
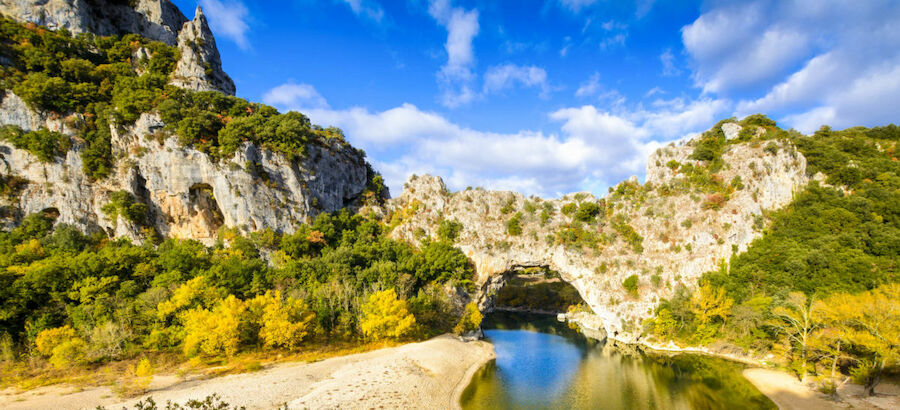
(683, 231)
(188, 194)
(200, 67)
(157, 20)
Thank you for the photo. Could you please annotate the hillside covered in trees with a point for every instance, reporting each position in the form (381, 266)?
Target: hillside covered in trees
(821, 285)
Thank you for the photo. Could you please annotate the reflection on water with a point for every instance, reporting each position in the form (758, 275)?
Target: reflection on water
(541, 363)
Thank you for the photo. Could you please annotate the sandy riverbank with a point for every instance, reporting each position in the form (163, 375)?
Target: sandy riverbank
(790, 394)
(430, 374)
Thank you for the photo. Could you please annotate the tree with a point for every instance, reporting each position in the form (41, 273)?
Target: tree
(386, 317)
(664, 324)
(709, 303)
(870, 322)
(796, 319)
(470, 320)
(47, 340)
(216, 332)
(284, 322)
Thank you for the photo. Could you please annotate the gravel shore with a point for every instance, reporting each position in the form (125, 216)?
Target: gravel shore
(430, 374)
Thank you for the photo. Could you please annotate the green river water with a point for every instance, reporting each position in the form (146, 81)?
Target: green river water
(543, 364)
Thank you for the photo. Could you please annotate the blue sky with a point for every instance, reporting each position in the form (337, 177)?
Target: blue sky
(555, 96)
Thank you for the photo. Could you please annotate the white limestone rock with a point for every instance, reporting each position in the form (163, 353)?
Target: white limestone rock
(676, 250)
(200, 66)
(157, 20)
(188, 194)
(731, 130)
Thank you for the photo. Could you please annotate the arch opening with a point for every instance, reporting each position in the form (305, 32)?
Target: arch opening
(535, 289)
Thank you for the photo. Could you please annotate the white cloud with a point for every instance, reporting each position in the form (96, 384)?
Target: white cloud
(653, 91)
(742, 45)
(591, 149)
(575, 6)
(819, 62)
(668, 62)
(614, 40)
(456, 74)
(228, 18)
(366, 8)
(869, 100)
(590, 87)
(502, 77)
(295, 96)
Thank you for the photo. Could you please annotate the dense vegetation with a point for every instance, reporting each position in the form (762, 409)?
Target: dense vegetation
(98, 81)
(75, 299)
(833, 249)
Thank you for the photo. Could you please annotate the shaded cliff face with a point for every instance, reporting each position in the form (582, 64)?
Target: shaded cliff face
(187, 194)
(666, 232)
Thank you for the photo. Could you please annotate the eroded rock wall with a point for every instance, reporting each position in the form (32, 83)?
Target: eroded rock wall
(157, 20)
(200, 66)
(682, 236)
(188, 194)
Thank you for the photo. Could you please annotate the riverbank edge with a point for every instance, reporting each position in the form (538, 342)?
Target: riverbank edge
(807, 397)
(466, 380)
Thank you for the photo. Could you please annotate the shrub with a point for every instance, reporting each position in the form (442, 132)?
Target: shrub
(569, 208)
(70, 353)
(43, 143)
(513, 225)
(631, 285)
(449, 230)
(123, 203)
(587, 212)
(714, 201)
(758, 119)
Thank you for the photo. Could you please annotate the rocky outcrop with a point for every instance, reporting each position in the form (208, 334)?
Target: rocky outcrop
(157, 20)
(188, 194)
(200, 67)
(680, 231)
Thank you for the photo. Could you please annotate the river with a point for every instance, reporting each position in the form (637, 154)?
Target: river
(543, 364)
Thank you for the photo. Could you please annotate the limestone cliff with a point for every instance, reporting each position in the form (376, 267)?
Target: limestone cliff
(200, 67)
(188, 194)
(157, 20)
(666, 231)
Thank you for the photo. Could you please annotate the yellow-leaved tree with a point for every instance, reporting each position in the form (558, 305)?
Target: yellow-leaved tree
(470, 320)
(195, 292)
(385, 316)
(216, 332)
(62, 345)
(707, 304)
(284, 322)
(795, 318)
(870, 323)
